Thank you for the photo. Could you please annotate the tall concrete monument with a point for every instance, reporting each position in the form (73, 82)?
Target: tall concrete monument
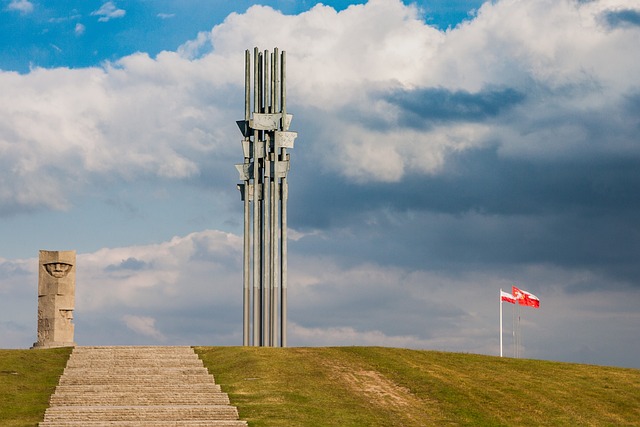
(56, 299)
(264, 191)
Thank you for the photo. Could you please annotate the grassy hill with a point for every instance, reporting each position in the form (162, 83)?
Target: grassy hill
(27, 379)
(365, 386)
(371, 386)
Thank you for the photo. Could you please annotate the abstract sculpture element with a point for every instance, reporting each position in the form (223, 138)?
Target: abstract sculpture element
(264, 192)
(56, 299)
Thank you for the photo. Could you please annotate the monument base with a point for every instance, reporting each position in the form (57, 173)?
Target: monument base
(53, 344)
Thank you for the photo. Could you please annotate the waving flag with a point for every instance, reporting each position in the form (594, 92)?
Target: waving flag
(525, 298)
(507, 297)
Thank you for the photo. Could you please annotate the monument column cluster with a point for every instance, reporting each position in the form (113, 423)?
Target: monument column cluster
(264, 191)
(56, 298)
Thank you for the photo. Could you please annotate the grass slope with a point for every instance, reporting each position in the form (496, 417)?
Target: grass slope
(27, 380)
(365, 386)
(370, 386)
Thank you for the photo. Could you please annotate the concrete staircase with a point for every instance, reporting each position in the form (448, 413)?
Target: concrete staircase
(138, 386)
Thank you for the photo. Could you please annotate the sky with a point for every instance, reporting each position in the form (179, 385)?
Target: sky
(446, 150)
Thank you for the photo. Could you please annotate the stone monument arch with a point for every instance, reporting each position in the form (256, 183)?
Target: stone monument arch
(56, 299)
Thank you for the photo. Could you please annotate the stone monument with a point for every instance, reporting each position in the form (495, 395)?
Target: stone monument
(264, 192)
(56, 298)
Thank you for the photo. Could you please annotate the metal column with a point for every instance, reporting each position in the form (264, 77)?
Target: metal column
(265, 191)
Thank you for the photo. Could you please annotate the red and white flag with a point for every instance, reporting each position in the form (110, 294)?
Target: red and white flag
(507, 297)
(525, 298)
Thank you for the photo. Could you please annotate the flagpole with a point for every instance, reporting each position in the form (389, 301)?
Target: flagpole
(520, 340)
(517, 325)
(518, 332)
(500, 299)
(513, 329)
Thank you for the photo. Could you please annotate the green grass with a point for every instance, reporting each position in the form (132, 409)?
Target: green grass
(370, 386)
(27, 380)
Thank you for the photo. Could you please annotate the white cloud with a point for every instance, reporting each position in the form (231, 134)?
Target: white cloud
(556, 54)
(22, 6)
(184, 290)
(347, 336)
(62, 129)
(79, 29)
(143, 325)
(376, 95)
(108, 11)
(188, 291)
(168, 275)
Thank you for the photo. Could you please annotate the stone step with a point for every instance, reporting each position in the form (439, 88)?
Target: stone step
(141, 413)
(134, 370)
(138, 386)
(132, 354)
(125, 398)
(139, 379)
(132, 348)
(208, 387)
(136, 400)
(129, 362)
(181, 423)
(142, 361)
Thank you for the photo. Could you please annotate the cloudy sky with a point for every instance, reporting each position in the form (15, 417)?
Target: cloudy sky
(446, 149)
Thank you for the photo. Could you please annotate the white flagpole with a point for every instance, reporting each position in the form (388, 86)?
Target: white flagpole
(500, 322)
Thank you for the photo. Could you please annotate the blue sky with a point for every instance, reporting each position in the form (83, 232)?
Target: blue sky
(446, 150)
(85, 33)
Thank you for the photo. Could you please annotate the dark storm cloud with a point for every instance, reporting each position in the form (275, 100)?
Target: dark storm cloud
(573, 205)
(423, 107)
(479, 180)
(485, 210)
(456, 243)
